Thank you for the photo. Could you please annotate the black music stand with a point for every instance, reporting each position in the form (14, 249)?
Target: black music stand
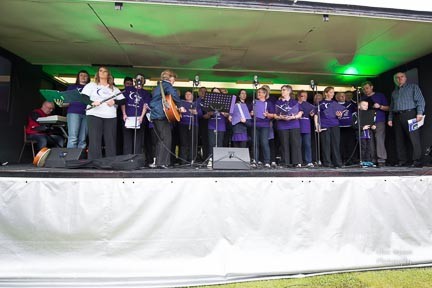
(218, 102)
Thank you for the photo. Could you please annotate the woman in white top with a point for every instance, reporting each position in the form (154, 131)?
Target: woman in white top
(101, 118)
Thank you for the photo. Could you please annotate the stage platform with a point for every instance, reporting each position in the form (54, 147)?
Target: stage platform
(28, 170)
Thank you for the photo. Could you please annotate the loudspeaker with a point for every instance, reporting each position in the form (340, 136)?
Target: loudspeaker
(231, 158)
(58, 156)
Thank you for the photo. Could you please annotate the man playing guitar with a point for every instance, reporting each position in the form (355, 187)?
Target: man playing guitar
(159, 118)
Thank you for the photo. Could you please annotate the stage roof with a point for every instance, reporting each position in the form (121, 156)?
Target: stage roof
(281, 41)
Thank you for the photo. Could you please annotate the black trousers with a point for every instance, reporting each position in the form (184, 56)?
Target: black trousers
(290, 146)
(240, 144)
(204, 138)
(162, 129)
(128, 140)
(403, 136)
(367, 149)
(348, 144)
(330, 140)
(188, 145)
(99, 128)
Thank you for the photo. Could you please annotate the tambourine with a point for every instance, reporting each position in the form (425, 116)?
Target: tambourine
(41, 156)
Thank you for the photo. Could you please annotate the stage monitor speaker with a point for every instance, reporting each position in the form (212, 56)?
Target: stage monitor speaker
(58, 156)
(231, 158)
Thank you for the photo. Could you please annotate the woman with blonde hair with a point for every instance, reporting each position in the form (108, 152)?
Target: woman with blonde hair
(102, 117)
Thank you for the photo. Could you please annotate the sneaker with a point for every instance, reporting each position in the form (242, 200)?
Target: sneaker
(210, 164)
(253, 164)
(152, 165)
(273, 165)
(260, 163)
(297, 165)
(267, 165)
(310, 165)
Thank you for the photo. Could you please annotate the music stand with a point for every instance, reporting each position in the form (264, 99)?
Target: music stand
(218, 102)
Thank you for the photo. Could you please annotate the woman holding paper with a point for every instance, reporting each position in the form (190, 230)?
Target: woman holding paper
(263, 111)
(288, 113)
(76, 114)
(330, 112)
(240, 121)
(134, 110)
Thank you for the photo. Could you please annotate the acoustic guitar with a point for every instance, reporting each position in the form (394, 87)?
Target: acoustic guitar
(171, 111)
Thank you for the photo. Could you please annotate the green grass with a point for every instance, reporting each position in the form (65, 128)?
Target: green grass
(400, 278)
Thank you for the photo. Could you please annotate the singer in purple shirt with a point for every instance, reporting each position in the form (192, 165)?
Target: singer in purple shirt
(288, 113)
(379, 103)
(188, 128)
(76, 116)
(216, 125)
(305, 131)
(262, 128)
(133, 111)
(327, 124)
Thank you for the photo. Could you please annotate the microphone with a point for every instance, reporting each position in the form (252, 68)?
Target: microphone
(255, 80)
(312, 84)
(139, 80)
(196, 81)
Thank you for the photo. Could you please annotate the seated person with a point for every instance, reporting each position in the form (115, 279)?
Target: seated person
(42, 134)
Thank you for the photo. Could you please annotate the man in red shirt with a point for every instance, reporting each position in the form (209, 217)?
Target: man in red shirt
(43, 135)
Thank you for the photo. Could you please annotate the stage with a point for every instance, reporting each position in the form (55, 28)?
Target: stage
(192, 226)
(28, 170)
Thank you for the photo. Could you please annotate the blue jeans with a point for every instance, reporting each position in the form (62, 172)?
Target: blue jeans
(77, 130)
(262, 138)
(306, 147)
(45, 140)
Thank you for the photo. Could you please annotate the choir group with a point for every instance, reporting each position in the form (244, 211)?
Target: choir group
(286, 130)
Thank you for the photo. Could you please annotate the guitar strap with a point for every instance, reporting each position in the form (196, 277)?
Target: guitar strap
(164, 101)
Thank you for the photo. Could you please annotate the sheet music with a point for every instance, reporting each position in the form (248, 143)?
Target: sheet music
(130, 123)
(414, 125)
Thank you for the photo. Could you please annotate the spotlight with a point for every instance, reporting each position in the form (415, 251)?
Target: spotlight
(326, 18)
(118, 5)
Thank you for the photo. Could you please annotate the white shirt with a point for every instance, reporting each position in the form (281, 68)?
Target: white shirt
(98, 92)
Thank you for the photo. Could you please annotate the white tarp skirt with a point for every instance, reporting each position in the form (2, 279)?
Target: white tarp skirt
(186, 231)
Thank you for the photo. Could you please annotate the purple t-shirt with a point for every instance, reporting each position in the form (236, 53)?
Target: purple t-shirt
(133, 95)
(239, 137)
(329, 118)
(346, 119)
(265, 122)
(187, 116)
(76, 107)
(305, 125)
(221, 124)
(293, 105)
(380, 99)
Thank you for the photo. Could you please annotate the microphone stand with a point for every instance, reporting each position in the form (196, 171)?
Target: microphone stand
(192, 124)
(137, 100)
(359, 129)
(318, 140)
(255, 161)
